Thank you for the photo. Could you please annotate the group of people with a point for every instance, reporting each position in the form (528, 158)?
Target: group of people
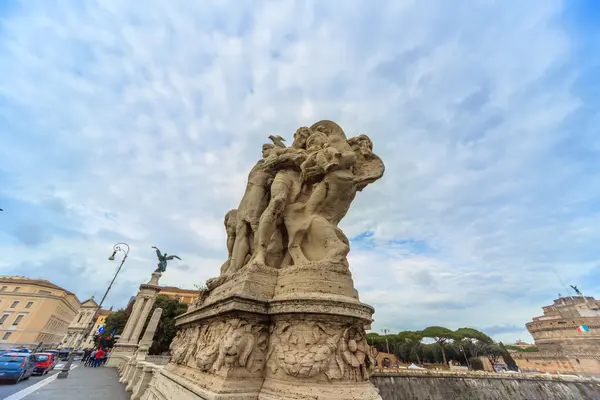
(95, 357)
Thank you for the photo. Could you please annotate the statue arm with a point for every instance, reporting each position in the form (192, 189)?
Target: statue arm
(289, 158)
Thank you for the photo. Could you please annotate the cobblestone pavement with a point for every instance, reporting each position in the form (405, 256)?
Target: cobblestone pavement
(83, 383)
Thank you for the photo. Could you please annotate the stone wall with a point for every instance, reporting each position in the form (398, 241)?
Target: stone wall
(427, 385)
(556, 363)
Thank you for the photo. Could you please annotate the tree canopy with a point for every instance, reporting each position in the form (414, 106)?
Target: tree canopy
(460, 346)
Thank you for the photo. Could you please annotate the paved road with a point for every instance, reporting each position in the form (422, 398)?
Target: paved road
(6, 389)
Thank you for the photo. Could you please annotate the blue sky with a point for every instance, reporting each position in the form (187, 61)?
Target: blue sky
(138, 122)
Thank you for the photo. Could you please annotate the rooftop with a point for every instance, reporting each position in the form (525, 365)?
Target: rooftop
(177, 290)
(34, 281)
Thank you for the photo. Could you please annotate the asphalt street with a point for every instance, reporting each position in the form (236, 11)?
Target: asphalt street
(7, 389)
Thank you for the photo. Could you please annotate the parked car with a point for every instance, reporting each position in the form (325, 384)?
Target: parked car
(44, 362)
(16, 366)
(56, 356)
(20, 350)
(63, 354)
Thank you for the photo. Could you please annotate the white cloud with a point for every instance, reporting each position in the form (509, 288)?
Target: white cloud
(144, 119)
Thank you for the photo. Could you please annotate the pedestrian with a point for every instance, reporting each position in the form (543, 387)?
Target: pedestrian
(99, 355)
(91, 359)
(86, 355)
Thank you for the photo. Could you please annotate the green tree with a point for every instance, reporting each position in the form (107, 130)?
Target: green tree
(441, 336)
(166, 330)
(476, 364)
(115, 322)
(508, 360)
(411, 339)
(493, 352)
(473, 334)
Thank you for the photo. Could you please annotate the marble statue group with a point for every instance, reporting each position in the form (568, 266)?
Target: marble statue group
(295, 197)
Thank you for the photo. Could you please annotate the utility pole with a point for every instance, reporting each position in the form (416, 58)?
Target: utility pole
(387, 344)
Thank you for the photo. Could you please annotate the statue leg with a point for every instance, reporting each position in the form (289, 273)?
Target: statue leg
(267, 226)
(241, 248)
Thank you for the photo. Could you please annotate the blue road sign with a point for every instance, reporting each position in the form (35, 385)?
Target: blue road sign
(101, 329)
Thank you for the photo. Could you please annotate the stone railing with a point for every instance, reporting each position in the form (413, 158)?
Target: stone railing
(482, 375)
(136, 375)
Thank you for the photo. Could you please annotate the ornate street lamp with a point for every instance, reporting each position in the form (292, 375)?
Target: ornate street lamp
(64, 373)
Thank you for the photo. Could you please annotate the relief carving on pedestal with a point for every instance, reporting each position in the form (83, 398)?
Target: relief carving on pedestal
(221, 345)
(307, 349)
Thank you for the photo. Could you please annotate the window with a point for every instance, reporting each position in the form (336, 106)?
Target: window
(3, 288)
(18, 288)
(28, 305)
(44, 292)
(18, 319)
(6, 335)
(3, 318)
(14, 304)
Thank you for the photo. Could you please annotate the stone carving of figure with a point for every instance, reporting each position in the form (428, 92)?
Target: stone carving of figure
(295, 198)
(284, 190)
(252, 206)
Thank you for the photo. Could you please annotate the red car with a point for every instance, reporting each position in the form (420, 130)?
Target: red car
(44, 362)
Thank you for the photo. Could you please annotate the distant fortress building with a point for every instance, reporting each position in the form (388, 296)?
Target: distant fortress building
(570, 326)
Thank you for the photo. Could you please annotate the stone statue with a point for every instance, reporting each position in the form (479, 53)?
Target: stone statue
(162, 260)
(295, 197)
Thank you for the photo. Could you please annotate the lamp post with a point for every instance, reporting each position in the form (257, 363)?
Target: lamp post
(64, 373)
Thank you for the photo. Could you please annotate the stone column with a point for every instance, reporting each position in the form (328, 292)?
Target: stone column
(146, 342)
(135, 312)
(139, 325)
(144, 301)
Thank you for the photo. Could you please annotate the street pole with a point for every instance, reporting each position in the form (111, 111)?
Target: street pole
(64, 373)
(387, 344)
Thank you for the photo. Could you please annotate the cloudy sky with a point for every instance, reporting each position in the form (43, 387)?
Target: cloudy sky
(138, 121)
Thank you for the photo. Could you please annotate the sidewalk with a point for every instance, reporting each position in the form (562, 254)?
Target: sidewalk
(84, 383)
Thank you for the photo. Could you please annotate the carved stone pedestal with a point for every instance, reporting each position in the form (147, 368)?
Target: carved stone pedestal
(298, 345)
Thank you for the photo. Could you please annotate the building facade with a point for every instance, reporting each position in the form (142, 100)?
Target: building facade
(80, 322)
(100, 322)
(557, 330)
(34, 311)
(185, 296)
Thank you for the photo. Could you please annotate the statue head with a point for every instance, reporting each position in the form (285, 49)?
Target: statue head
(266, 149)
(361, 143)
(316, 141)
(329, 128)
(300, 137)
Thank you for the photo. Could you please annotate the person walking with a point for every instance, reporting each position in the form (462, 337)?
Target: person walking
(91, 359)
(99, 356)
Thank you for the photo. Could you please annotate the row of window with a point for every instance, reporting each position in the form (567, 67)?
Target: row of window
(55, 324)
(16, 303)
(17, 320)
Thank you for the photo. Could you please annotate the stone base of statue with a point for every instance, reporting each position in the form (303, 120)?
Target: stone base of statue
(303, 343)
(128, 342)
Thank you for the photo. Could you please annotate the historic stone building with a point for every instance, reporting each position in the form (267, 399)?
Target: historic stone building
(556, 331)
(34, 311)
(80, 322)
(185, 296)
